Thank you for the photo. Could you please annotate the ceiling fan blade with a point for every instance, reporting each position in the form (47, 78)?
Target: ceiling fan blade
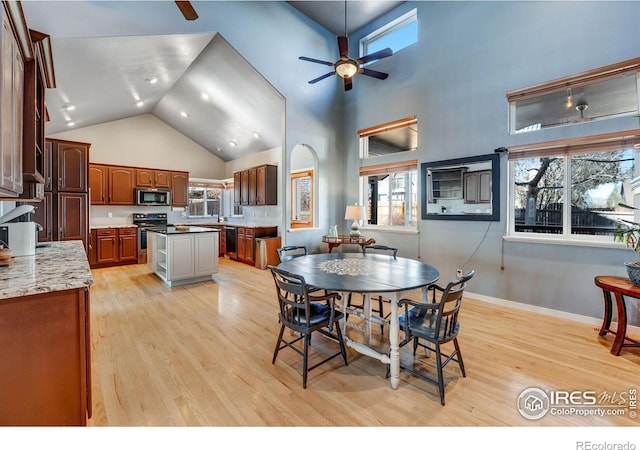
(343, 47)
(373, 73)
(348, 84)
(326, 63)
(187, 10)
(384, 53)
(315, 80)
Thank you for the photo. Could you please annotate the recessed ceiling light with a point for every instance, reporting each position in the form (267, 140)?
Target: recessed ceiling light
(219, 149)
(152, 80)
(70, 124)
(184, 114)
(256, 135)
(67, 108)
(205, 96)
(233, 143)
(140, 104)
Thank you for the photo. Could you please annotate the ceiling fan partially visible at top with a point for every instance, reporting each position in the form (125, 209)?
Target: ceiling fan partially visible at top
(347, 67)
(187, 10)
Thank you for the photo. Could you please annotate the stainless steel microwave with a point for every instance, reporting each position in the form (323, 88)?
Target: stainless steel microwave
(153, 197)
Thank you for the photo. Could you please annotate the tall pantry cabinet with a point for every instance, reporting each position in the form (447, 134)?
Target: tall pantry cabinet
(64, 212)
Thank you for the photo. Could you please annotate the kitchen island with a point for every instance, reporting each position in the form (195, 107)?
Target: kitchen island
(45, 341)
(181, 255)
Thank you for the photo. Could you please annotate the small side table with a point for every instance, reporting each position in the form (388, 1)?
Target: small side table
(334, 241)
(620, 287)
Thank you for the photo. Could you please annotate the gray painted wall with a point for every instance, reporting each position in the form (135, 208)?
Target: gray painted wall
(455, 80)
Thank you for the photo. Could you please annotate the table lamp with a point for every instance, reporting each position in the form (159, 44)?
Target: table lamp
(355, 213)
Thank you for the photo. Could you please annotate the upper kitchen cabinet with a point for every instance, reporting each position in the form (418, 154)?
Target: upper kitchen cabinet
(180, 188)
(98, 184)
(152, 178)
(38, 76)
(121, 185)
(257, 186)
(15, 48)
(70, 165)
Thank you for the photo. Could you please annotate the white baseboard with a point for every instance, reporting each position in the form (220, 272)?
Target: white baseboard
(547, 311)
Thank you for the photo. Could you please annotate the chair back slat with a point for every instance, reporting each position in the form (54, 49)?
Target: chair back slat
(293, 297)
(380, 249)
(446, 322)
(290, 252)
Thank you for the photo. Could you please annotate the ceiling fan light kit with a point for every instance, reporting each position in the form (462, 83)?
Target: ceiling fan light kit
(346, 67)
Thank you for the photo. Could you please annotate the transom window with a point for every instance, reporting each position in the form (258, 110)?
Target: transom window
(572, 189)
(604, 93)
(397, 34)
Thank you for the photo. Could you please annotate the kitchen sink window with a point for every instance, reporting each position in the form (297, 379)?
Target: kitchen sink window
(204, 200)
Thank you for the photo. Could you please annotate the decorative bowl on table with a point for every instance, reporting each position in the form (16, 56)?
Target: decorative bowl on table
(182, 227)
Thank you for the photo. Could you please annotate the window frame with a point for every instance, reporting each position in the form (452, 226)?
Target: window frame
(391, 169)
(387, 29)
(564, 148)
(205, 187)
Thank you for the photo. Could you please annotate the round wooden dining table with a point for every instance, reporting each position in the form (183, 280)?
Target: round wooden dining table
(367, 274)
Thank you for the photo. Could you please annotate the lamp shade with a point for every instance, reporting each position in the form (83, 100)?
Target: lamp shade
(346, 69)
(354, 212)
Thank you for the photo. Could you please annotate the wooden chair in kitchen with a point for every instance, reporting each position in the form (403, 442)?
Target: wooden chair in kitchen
(430, 325)
(305, 314)
(291, 251)
(392, 251)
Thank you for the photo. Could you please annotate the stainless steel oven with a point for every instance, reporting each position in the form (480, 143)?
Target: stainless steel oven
(144, 222)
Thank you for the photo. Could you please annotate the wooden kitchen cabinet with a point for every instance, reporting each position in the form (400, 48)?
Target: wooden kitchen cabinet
(152, 178)
(99, 184)
(70, 165)
(72, 219)
(46, 359)
(11, 103)
(121, 185)
(257, 186)
(114, 246)
(112, 185)
(266, 185)
(179, 188)
(246, 242)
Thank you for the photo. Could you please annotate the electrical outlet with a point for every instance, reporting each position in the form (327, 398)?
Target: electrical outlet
(109, 215)
(458, 273)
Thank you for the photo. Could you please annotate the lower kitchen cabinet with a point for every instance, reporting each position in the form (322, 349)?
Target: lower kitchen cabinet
(113, 246)
(182, 258)
(45, 367)
(246, 242)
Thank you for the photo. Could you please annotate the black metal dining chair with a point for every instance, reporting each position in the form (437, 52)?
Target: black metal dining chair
(380, 300)
(305, 314)
(290, 252)
(430, 325)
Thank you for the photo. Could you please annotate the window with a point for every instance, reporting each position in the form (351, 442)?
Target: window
(205, 200)
(603, 93)
(390, 138)
(398, 34)
(571, 189)
(391, 194)
(302, 199)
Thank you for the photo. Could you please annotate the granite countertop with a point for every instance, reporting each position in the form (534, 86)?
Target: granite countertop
(62, 265)
(189, 229)
(123, 225)
(230, 224)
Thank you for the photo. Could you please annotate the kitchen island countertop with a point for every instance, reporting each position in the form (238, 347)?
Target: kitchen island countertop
(182, 229)
(62, 265)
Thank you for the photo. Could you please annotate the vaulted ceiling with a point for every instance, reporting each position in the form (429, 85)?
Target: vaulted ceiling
(192, 81)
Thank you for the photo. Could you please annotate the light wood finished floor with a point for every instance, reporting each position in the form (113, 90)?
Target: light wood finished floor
(200, 355)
